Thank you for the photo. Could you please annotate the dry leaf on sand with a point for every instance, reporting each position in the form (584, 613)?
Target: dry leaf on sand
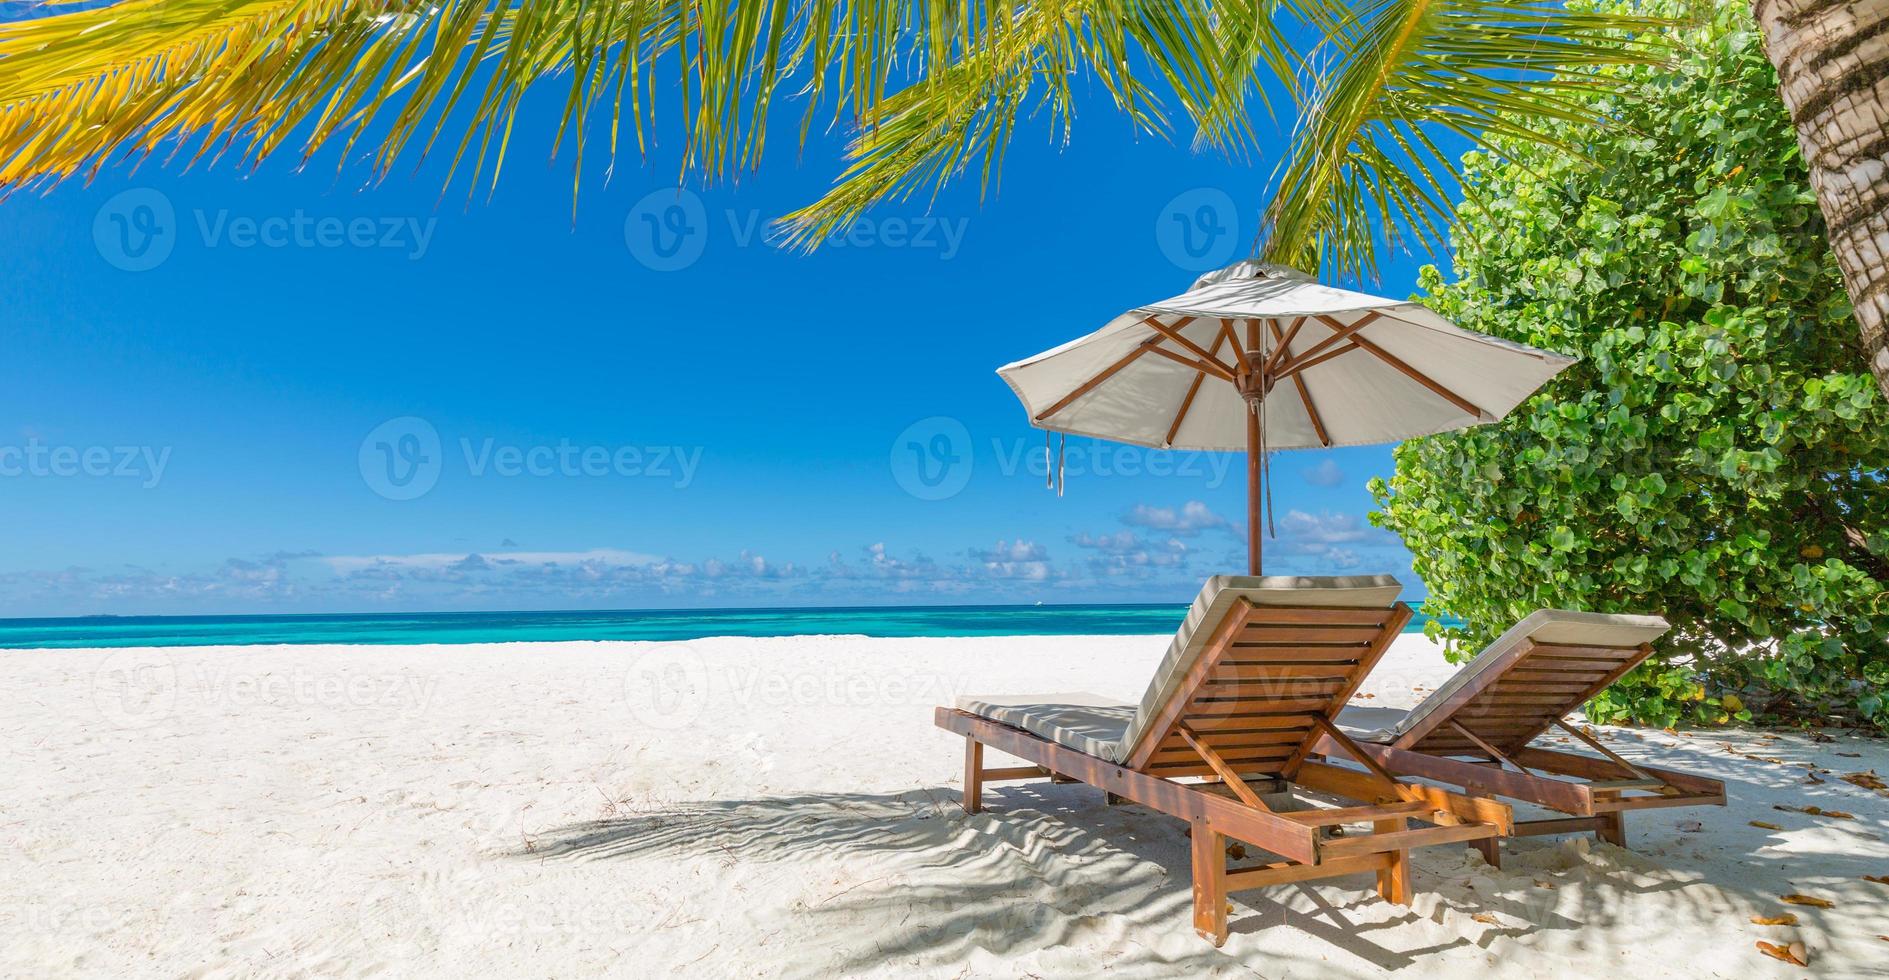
(1765, 825)
(1486, 919)
(1794, 953)
(1813, 902)
(1787, 919)
(1867, 780)
(1815, 811)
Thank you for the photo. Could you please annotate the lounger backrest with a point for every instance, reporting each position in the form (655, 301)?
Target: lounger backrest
(1255, 660)
(1547, 665)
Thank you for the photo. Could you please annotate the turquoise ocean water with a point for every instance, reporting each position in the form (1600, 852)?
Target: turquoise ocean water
(504, 627)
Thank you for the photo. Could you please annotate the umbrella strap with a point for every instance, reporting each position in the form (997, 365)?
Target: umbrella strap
(1265, 467)
(1062, 446)
(1258, 407)
(1053, 462)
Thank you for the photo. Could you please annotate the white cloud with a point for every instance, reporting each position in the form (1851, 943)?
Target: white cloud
(1017, 559)
(1192, 518)
(345, 564)
(1012, 551)
(1326, 528)
(1125, 555)
(1326, 474)
(1120, 541)
(1330, 542)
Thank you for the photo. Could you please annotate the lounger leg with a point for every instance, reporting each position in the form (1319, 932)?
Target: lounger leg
(1489, 847)
(1491, 850)
(1393, 883)
(1613, 829)
(973, 775)
(1110, 799)
(1210, 884)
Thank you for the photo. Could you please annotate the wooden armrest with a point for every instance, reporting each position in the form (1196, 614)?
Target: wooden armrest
(1622, 784)
(1398, 840)
(1446, 807)
(1354, 814)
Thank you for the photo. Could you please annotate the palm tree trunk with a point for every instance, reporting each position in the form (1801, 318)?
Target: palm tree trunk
(1832, 59)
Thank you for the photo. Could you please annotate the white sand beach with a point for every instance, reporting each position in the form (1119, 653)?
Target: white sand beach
(785, 808)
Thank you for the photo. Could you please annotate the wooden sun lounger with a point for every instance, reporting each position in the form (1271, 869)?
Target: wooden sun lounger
(1475, 731)
(1252, 681)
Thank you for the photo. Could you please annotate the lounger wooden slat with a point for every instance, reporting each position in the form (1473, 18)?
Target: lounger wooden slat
(1261, 654)
(1218, 704)
(1268, 634)
(1282, 671)
(1250, 686)
(1475, 731)
(1298, 688)
(1241, 722)
(1594, 652)
(1235, 738)
(1323, 616)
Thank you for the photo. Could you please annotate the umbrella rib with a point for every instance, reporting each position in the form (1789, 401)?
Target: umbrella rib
(1285, 346)
(1339, 332)
(1194, 389)
(1305, 396)
(1214, 368)
(1423, 379)
(1101, 376)
(1226, 333)
(1174, 333)
(1306, 364)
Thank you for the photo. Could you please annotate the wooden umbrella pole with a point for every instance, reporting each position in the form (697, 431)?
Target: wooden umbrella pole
(1255, 455)
(1254, 492)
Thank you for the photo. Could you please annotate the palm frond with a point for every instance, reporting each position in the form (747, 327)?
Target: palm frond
(1364, 170)
(247, 77)
(932, 89)
(1211, 60)
(79, 88)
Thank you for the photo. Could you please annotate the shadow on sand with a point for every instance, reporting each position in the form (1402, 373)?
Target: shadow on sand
(1050, 865)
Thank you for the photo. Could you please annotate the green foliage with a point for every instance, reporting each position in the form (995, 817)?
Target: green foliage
(1719, 454)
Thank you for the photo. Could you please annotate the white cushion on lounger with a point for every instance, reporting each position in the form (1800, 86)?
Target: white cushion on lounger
(1366, 724)
(1088, 723)
(1210, 608)
(1541, 626)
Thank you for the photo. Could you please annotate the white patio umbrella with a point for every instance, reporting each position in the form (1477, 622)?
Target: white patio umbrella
(1199, 371)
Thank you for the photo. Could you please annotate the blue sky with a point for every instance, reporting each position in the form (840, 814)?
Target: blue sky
(222, 390)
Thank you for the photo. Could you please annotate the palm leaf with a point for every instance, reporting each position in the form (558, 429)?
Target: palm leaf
(1209, 60)
(1364, 170)
(931, 88)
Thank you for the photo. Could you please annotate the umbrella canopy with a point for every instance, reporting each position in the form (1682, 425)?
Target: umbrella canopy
(1260, 357)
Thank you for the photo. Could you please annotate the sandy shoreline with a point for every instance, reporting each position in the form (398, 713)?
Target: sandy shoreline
(784, 807)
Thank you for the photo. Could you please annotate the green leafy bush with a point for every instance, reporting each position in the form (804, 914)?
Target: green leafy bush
(1719, 453)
